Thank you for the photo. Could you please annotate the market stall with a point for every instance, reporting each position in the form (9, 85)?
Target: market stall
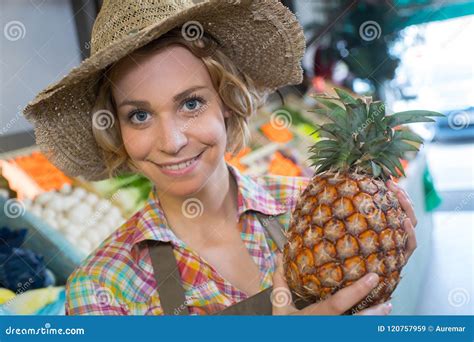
(51, 222)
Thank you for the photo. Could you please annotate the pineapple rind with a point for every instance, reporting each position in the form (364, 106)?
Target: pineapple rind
(319, 260)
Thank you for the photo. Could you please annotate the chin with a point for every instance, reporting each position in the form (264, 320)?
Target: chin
(183, 189)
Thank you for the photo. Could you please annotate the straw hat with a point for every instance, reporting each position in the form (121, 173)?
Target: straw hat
(262, 37)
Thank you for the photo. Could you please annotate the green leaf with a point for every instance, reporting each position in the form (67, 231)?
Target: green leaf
(411, 116)
(407, 135)
(394, 160)
(345, 96)
(377, 117)
(335, 113)
(376, 170)
(325, 144)
(333, 129)
(390, 167)
(323, 154)
(358, 118)
(401, 146)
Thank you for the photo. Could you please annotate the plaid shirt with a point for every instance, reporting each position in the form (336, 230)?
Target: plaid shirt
(118, 279)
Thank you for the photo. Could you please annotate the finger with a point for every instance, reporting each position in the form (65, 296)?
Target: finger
(281, 299)
(411, 237)
(405, 201)
(346, 298)
(407, 207)
(377, 310)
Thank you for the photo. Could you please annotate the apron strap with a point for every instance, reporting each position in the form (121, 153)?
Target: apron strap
(172, 294)
(168, 279)
(260, 303)
(274, 228)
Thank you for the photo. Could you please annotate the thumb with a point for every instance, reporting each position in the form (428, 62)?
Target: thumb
(281, 298)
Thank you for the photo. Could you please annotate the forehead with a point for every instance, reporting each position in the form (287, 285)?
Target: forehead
(168, 69)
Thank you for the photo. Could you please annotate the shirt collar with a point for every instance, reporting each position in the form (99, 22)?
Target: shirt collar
(151, 222)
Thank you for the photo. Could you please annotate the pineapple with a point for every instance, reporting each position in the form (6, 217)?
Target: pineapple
(347, 223)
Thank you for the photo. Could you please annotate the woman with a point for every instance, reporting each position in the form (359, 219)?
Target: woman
(169, 88)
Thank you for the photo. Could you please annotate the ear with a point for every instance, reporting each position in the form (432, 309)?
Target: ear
(227, 113)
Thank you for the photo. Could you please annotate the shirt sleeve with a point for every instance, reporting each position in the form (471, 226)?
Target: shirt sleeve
(86, 296)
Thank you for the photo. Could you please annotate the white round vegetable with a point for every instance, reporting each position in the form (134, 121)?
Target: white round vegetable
(79, 192)
(27, 203)
(103, 205)
(69, 202)
(36, 210)
(43, 198)
(80, 213)
(62, 222)
(91, 199)
(84, 245)
(48, 214)
(115, 212)
(66, 189)
(56, 203)
(51, 222)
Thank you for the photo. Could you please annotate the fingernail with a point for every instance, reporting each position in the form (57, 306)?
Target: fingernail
(372, 279)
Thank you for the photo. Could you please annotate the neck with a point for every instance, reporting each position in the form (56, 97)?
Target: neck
(216, 201)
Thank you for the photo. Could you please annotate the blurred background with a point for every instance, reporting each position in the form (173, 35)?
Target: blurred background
(412, 54)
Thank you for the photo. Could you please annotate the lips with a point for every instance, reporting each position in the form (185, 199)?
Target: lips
(181, 165)
(178, 162)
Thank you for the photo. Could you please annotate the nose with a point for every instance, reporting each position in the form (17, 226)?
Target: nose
(171, 138)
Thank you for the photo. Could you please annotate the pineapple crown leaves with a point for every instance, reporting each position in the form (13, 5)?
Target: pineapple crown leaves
(360, 137)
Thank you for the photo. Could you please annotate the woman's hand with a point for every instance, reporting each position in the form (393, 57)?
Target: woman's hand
(336, 304)
(346, 298)
(410, 222)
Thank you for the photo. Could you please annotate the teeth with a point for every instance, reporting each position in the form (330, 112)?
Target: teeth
(179, 166)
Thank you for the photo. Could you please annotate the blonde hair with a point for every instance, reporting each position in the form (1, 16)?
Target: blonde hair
(236, 90)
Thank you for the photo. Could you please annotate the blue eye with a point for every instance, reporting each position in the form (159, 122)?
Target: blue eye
(139, 117)
(193, 103)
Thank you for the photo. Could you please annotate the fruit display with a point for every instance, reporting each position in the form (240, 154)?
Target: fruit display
(84, 218)
(45, 174)
(347, 223)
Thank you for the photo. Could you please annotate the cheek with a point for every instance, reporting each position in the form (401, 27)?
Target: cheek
(137, 143)
(209, 129)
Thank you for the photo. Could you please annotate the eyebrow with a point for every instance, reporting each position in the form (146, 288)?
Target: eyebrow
(176, 98)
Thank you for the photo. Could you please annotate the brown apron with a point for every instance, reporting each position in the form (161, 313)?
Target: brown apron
(171, 292)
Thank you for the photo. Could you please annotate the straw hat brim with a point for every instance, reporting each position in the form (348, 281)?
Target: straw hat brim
(263, 38)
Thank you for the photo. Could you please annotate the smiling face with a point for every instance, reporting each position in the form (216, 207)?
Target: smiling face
(170, 113)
